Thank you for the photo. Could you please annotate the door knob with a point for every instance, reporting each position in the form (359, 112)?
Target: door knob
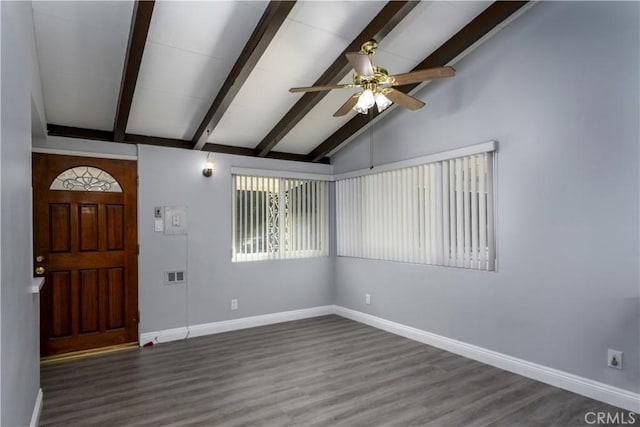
(39, 270)
(39, 258)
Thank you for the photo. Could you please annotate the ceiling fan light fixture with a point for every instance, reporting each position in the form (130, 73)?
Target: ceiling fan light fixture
(360, 110)
(365, 101)
(382, 102)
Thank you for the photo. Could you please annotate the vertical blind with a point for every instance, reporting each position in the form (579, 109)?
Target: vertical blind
(278, 218)
(439, 213)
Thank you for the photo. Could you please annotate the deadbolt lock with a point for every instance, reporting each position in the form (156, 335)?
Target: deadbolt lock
(39, 258)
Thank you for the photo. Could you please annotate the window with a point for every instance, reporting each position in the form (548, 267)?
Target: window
(438, 213)
(86, 178)
(279, 218)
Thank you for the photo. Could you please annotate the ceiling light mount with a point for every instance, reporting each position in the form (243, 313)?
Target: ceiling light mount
(369, 47)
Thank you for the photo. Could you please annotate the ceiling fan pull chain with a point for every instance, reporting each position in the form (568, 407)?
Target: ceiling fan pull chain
(370, 139)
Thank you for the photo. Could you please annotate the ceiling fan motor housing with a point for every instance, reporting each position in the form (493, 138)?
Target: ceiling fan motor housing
(380, 77)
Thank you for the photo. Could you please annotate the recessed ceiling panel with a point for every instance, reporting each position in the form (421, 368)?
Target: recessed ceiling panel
(428, 26)
(106, 15)
(190, 50)
(345, 19)
(183, 82)
(165, 114)
(252, 110)
(173, 70)
(81, 48)
(307, 43)
(218, 29)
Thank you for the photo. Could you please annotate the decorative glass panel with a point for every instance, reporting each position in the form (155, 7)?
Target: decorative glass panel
(273, 230)
(86, 178)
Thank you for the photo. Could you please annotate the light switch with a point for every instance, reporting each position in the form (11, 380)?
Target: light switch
(158, 225)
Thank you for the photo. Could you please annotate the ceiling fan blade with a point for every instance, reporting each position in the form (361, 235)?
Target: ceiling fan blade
(361, 63)
(320, 88)
(347, 106)
(403, 99)
(423, 75)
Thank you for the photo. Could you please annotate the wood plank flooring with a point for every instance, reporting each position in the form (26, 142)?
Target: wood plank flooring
(325, 371)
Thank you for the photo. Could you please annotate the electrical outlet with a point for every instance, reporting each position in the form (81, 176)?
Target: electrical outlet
(234, 304)
(614, 359)
(367, 299)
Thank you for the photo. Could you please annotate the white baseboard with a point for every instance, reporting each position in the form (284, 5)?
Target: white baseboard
(232, 325)
(593, 389)
(166, 335)
(37, 410)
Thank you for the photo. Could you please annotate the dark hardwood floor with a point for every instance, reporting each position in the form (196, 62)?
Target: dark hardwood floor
(325, 371)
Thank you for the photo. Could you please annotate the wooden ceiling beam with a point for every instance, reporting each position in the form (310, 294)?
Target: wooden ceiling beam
(243, 151)
(486, 21)
(82, 133)
(129, 138)
(272, 18)
(157, 141)
(381, 25)
(140, 23)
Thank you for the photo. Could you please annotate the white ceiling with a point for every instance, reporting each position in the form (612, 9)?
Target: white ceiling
(191, 48)
(81, 50)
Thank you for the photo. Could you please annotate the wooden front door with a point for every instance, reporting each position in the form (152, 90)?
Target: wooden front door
(85, 246)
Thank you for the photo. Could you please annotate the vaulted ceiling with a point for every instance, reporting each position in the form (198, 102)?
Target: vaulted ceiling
(214, 75)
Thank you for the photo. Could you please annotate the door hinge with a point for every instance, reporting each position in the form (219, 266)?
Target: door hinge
(137, 180)
(138, 249)
(138, 319)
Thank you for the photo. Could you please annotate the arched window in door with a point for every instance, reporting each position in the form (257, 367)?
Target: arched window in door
(86, 178)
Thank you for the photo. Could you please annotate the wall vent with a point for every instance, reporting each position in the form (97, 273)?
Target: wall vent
(174, 277)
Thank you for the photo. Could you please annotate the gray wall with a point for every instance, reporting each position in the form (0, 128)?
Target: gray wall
(559, 90)
(171, 177)
(99, 148)
(86, 146)
(19, 352)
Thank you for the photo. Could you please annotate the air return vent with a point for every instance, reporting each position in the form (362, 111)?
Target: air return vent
(174, 277)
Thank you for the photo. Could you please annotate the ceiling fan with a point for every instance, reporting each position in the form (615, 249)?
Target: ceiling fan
(377, 84)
